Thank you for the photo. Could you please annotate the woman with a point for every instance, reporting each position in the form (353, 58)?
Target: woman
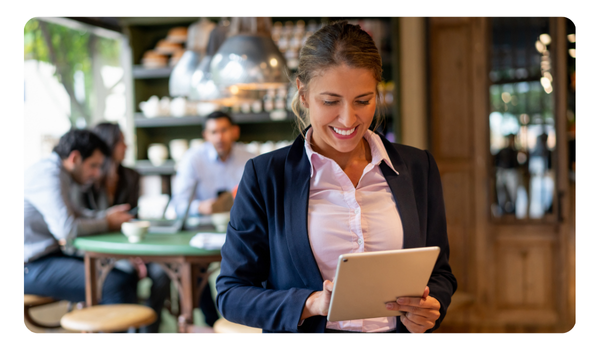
(118, 184)
(121, 185)
(340, 188)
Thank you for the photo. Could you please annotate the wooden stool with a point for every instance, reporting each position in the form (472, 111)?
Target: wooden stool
(108, 318)
(224, 326)
(30, 301)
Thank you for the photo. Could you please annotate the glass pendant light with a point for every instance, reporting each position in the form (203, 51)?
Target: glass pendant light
(249, 59)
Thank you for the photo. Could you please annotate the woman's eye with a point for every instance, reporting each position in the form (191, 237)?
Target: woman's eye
(364, 102)
(329, 103)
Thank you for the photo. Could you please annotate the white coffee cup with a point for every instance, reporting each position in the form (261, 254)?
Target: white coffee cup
(220, 220)
(135, 230)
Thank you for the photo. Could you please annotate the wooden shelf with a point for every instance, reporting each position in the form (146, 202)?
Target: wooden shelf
(264, 117)
(140, 72)
(145, 167)
(239, 118)
(157, 122)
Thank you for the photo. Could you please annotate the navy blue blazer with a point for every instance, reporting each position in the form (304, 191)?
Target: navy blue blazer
(268, 269)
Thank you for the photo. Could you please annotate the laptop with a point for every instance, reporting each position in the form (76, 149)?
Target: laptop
(364, 282)
(172, 225)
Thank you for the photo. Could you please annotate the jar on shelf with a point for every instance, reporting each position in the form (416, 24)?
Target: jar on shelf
(245, 108)
(291, 58)
(283, 43)
(290, 96)
(256, 106)
(279, 103)
(288, 29)
(268, 102)
(299, 28)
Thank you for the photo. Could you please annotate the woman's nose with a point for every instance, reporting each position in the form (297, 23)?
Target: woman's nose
(348, 116)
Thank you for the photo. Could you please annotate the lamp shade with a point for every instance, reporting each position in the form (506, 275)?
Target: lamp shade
(249, 61)
(181, 77)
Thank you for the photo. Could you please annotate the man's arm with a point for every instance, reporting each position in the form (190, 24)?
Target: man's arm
(52, 200)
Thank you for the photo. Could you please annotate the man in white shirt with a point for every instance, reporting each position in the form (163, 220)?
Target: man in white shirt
(217, 165)
(53, 219)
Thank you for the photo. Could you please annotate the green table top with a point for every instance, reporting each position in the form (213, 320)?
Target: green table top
(152, 244)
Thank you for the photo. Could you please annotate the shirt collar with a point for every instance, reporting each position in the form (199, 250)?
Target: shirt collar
(378, 152)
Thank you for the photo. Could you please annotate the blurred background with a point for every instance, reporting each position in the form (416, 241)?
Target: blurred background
(493, 99)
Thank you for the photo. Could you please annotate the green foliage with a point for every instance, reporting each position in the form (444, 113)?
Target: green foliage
(71, 51)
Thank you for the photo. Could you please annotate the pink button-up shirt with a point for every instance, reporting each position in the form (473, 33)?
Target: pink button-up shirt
(344, 219)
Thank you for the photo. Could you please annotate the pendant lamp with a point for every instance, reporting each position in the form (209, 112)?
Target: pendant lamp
(249, 59)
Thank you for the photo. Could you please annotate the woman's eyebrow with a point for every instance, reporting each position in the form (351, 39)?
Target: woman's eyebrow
(336, 95)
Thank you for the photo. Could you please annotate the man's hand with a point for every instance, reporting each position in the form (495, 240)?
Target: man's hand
(417, 314)
(205, 207)
(116, 215)
(317, 303)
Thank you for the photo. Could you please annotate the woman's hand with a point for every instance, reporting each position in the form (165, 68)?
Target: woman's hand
(417, 314)
(317, 303)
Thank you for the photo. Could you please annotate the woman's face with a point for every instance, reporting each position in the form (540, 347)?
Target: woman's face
(119, 150)
(342, 103)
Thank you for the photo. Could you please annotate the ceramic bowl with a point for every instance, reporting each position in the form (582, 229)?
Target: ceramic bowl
(220, 220)
(135, 230)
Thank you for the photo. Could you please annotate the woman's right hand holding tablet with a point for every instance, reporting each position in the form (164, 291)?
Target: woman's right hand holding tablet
(317, 303)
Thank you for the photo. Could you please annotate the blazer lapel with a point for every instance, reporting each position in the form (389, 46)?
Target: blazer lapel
(402, 190)
(297, 183)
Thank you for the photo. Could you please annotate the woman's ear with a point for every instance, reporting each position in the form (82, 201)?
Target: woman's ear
(301, 93)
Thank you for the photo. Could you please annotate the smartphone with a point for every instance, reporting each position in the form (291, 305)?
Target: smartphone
(133, 212)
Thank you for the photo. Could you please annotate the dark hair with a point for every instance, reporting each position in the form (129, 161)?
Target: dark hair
(109, 133)
(84, 141)
(333, 45)
(218, 115)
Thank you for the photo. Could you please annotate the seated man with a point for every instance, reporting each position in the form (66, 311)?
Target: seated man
(53, 219)
(217, 166)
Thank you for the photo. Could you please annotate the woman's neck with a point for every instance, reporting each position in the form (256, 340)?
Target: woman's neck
(360, 156)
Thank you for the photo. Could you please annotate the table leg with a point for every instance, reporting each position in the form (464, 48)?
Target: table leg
(187, 300)
(91, 281)
(96, 271)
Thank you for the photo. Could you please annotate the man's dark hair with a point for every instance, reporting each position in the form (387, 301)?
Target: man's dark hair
(219, 114)
(84, 141)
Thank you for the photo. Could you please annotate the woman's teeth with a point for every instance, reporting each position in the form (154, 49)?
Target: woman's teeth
(344, 132)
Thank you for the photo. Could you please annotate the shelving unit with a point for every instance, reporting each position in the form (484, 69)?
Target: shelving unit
(143, 35)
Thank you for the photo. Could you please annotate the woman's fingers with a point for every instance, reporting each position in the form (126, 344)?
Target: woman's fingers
(415, 325)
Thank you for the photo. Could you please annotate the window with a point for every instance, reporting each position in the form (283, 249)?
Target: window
(74, 77)
(522, 118)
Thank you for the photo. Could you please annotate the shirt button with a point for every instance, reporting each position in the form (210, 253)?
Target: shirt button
(356, 211)
(360, 241)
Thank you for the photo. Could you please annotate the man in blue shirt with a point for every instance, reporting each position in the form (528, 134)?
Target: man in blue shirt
(217, 165)
(52, 220)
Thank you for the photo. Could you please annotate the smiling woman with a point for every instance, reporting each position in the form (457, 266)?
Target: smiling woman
(339, 188)
(341, 100)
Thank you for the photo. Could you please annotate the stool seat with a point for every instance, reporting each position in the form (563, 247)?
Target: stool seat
(224, 326)
(108, 318)
(36, 300)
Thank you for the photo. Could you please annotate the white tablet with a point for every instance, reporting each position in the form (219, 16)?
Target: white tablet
(364, 282)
